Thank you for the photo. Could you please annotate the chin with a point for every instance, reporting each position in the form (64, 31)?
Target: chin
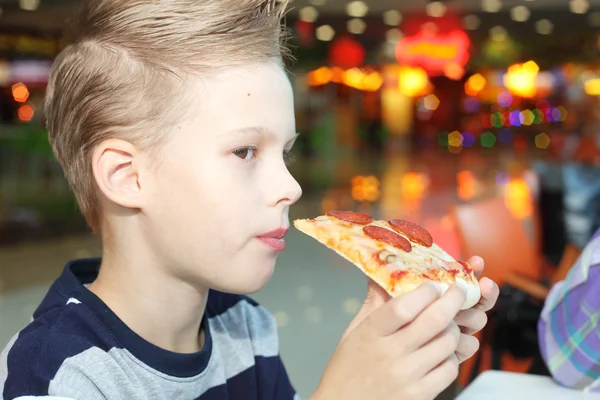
(252, 280)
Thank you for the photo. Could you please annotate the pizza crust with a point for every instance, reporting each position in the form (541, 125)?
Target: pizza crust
(346, 241)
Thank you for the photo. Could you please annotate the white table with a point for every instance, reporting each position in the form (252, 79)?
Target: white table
(497, 385)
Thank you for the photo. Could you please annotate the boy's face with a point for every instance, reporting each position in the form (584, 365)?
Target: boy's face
(223, 182)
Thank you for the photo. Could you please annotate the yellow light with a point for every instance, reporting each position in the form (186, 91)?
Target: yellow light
(356, 26)
(435, 9)
(531, 67)
(354, 78)
(592, 86)
(520, 79)
(471, 22)
(455, 139)
(475, 84)
(392, 18)
(520, 13)
(308, 14)
(527, 117)
(431, 102)
(542, 141)
(325, 33)
(412, 82)
(357, 9)
(491, 6)
(20, 92)
(372, 81)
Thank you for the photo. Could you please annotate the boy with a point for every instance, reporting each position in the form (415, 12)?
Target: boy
(172, 120)
(568, 331)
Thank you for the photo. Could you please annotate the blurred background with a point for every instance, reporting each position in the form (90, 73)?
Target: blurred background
(475, 118)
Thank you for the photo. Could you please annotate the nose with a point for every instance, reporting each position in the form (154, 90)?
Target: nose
(287, 189)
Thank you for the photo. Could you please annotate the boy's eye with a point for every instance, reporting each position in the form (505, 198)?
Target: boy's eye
(245, 153)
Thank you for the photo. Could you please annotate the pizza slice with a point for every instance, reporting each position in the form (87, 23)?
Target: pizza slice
(398, 255)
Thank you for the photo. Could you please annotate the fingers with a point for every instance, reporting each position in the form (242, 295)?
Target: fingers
(438, 350)
(439, 378)
(477, 264)
(435, 319)
(471, 321)
(489, 294)
(467, 347)
(402, 310)
(375, 298)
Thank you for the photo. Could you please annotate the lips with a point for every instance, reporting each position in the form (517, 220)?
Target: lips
(274, 239)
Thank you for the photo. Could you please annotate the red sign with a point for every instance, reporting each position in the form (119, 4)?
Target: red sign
(434, 51)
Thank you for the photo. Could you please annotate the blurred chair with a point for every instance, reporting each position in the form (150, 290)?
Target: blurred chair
(488, 229)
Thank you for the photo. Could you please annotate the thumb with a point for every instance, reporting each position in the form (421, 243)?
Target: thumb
(375, 298)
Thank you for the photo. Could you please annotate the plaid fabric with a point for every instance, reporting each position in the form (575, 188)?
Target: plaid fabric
(568, 330)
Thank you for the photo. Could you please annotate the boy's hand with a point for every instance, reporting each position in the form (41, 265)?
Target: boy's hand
(397, 348)
(473, 320)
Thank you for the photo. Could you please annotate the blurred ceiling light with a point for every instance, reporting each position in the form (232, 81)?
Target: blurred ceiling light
(435, 9)
(325, 33)
(579, 6)
(520, 13)
(594, 19)
(393, 35)
(29, 5)
(491, 5)
(498, 34)
(317, 2)
(308, 14)
(356, 26)
(392, 18)
(471, 22)
(357, 9)
(544, 26)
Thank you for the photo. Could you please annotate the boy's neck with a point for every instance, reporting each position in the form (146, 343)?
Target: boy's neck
(160, 308)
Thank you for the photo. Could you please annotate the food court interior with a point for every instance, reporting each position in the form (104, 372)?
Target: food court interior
(475, 118)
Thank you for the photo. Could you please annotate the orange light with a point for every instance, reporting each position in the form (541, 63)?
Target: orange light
(467, 185)
(20, 92)
(365, 188)
(319, 77)
(413, 82)
(475, 84)
(518, 198)
(26, 113)
(354, 78)
(454, 71)
(414, 186)
(520, 79)
(337, 75)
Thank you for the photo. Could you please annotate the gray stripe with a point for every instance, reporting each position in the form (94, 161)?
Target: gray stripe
(4, 363)
(119, 375)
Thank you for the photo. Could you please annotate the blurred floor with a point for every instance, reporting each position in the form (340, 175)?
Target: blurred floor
(314, 292)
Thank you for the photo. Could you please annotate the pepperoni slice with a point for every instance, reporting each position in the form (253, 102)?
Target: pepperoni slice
(414, 232)
(387, 236)
(350, 216)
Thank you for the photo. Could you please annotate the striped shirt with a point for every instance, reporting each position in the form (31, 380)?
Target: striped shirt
(77, 348)
(568, 330)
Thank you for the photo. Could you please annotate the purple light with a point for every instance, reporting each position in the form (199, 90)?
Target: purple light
(515, 118)
(505, 99)
(471, 105)
(502, 178)
(468, 139)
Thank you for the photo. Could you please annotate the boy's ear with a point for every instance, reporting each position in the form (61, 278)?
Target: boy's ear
(116, 168)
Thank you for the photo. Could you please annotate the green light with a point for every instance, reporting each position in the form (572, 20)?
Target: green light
(488, 139)
(497, 120)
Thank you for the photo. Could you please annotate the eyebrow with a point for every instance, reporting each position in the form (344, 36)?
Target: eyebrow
(259, 131)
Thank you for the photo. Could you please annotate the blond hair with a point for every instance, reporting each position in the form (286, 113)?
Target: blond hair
(124, 73)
